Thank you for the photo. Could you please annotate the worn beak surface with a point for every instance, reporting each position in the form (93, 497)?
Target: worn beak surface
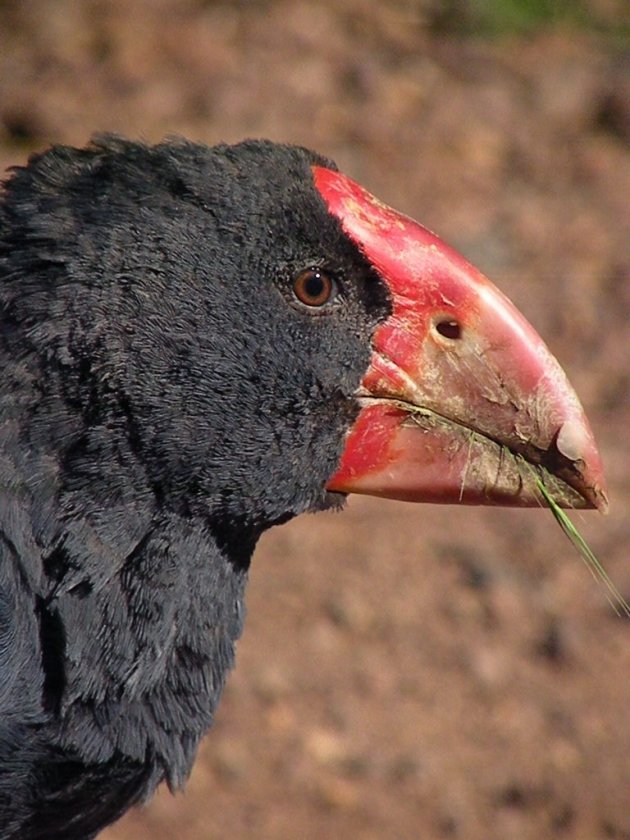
(462, 401)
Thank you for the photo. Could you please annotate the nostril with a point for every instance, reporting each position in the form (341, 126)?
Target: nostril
(448, 328)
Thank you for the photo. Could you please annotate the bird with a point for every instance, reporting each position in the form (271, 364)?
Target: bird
(199, 343)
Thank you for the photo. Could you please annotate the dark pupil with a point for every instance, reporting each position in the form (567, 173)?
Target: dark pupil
(314, 285)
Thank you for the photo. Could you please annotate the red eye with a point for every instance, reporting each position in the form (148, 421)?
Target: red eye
(313, 287)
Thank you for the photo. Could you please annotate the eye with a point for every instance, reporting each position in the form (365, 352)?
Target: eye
(449, 328)
(314, 287)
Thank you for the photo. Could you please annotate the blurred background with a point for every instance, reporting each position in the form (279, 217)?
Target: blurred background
(405, 672)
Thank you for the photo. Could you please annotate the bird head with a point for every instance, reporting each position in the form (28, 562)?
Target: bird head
(260, 336)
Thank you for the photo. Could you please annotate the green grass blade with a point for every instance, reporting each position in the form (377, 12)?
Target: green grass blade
(614, 596)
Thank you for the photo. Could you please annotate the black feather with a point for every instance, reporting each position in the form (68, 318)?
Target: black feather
(164, 399)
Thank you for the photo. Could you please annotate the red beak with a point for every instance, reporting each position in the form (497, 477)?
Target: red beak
(462, 401)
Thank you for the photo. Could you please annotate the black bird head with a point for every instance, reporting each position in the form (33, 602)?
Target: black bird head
(201, 305)
(216, 307)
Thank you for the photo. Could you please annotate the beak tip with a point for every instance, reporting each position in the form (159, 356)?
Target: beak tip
(576, 442)
(574, 439)
(602, 502)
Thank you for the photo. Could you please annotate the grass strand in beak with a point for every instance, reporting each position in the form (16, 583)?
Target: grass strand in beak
(614, 596)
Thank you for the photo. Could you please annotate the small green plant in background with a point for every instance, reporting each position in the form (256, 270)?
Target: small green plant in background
(503, 17)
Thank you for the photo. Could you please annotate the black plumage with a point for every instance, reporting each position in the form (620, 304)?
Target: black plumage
(164, 399)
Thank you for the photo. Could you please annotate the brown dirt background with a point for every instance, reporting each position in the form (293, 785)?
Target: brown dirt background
(405, 672)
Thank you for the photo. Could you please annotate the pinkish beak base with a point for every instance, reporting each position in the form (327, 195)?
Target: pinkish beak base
(462, 401)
